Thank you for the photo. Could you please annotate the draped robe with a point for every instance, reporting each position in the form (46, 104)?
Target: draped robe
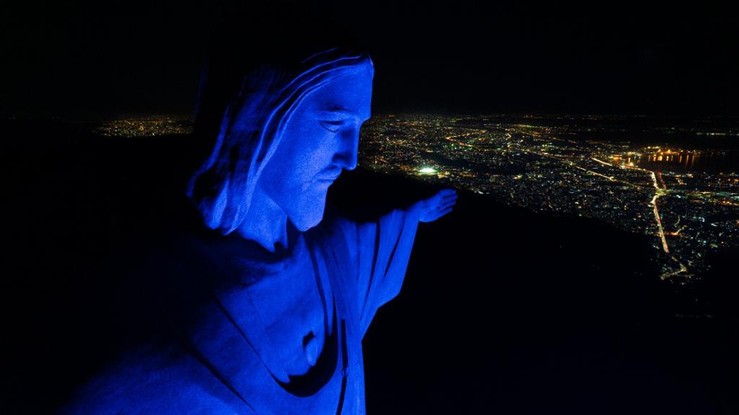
(210, 352)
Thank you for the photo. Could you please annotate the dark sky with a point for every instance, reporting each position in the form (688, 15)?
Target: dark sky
(83, 57)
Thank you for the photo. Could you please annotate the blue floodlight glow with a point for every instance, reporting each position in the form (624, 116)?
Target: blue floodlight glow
(264, 310)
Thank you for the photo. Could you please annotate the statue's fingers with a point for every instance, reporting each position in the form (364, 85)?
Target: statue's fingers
(446, 192)
(443, 206)
(448, 202)
(444, 211)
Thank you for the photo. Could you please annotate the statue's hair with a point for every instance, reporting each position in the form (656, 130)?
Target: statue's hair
(244, 101)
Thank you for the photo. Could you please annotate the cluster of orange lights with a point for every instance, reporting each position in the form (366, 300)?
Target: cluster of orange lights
(656, 154)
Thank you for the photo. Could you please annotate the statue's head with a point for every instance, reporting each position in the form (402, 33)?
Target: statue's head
(284, 122)
(317, 138)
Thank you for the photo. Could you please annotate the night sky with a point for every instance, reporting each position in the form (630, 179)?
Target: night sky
(84, 58)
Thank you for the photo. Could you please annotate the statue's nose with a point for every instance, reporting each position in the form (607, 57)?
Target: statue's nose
(347, 156)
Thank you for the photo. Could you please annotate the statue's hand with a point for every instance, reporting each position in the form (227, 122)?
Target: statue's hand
(437, 205)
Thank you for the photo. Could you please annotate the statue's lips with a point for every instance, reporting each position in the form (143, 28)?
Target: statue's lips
(327, 179)
(330, 178)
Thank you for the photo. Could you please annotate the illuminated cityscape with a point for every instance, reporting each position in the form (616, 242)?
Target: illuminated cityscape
(147, 126)
(686, 198)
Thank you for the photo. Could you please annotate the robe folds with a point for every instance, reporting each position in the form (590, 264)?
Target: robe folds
(198, 340)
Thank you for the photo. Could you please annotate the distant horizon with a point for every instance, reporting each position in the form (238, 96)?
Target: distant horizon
(84, 118)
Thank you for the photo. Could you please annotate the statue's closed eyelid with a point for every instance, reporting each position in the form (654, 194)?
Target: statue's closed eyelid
(332, 126)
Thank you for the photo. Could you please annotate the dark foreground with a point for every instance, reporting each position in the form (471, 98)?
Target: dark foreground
(503, 311)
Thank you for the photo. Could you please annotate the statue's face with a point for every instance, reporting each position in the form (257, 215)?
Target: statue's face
(320, 140)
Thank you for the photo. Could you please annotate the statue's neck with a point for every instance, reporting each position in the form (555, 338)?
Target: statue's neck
(265, 223)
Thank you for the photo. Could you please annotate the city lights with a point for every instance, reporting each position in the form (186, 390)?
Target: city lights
(685, 199)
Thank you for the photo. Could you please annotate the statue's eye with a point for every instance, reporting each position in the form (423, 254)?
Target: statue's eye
(332, 126)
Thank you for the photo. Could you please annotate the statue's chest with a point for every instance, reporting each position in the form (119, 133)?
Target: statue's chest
(284, 315)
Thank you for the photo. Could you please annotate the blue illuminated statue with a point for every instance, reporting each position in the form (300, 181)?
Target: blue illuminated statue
(263, 310)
